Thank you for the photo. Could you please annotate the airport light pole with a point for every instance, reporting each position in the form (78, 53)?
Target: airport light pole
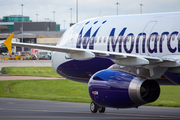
(117, 6)
(22, 26)
(71, 14)
(37, 17)
(76, 11)
(141, 8)
(64, 23)
(54, 15)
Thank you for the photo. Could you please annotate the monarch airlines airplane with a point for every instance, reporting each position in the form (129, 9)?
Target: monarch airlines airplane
(120, 57)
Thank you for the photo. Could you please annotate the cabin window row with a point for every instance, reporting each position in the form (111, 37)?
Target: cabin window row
(123, 38)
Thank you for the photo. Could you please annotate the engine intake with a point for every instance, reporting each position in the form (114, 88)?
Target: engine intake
(143, 91)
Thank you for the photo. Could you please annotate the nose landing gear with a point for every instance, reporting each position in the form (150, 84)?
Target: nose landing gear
(94, 108)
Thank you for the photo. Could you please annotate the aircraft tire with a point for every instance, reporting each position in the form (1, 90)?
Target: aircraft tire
(93, 107)
(101, 109)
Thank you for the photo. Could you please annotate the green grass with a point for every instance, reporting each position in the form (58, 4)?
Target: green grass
(30, 71)
(169, 97)
(70, 91)
(58, 90)
(64, 90)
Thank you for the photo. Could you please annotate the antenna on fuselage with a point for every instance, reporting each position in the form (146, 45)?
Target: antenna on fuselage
(76, 11)
(100, 13)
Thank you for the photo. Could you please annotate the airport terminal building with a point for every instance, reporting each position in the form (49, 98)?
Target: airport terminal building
(46, 32)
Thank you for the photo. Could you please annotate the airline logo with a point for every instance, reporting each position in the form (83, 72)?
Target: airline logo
(87, 39)
(153, 42)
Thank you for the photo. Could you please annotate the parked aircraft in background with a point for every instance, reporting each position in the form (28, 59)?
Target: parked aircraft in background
(120, 57)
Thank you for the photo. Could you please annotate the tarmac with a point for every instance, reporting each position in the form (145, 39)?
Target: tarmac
(23, 63)
(22, 109)
(27, 109)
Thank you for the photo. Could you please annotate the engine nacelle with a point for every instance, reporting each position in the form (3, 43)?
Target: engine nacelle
(119, 89)
(173, 77)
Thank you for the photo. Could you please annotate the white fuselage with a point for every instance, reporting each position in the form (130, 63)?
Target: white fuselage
(151, 35)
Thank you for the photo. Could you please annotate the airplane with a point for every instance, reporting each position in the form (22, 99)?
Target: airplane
(122, 58)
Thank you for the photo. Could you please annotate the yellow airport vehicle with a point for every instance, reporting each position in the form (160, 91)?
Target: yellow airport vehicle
(17, 57)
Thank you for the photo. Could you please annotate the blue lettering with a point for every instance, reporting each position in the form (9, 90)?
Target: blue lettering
(132, 43)
(129, 43)
(86, 39)
(137, 42)
(114, 41)
(161, 40)
(155, 34)
(169, 43)
(78, 44)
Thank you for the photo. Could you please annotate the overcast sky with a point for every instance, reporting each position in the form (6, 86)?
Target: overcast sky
(86, 8)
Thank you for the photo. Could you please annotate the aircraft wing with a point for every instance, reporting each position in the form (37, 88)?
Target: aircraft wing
(84, 54)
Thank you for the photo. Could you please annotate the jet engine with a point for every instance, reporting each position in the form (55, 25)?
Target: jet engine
(118, 89)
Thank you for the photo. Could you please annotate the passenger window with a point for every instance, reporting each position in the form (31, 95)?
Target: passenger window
(128, 39)
(118, 38)
(123, 38)
(179, 37)
(132, 38)
(158, 37)
(91, 40)
(100, 39)
(144, 36)
(96, 39)
(87, 39)
(105, 39)
(168, 37)
(152, 38)
(163, 37)
(109, 40)
(82, 39)
(173, 37)
(114, 39)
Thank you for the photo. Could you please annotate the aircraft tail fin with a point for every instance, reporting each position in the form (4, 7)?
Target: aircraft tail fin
(8, 42)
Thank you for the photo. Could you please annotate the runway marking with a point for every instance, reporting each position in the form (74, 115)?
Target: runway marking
(75, 117)
(133, 116)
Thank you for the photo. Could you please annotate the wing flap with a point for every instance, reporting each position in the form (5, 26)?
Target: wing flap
(153, 59)
(131, 61)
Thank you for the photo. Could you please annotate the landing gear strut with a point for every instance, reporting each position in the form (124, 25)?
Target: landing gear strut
(94, 108)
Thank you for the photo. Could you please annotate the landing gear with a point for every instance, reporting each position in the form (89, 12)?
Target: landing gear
(101, 109)
(94, 108)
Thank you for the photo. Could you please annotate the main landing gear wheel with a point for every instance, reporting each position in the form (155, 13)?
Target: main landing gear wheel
(94, 108)
(101, 109)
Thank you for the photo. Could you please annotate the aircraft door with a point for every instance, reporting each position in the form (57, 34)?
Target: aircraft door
(73, 36)
(145, 36)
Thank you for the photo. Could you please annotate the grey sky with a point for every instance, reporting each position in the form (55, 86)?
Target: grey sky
(87, 8)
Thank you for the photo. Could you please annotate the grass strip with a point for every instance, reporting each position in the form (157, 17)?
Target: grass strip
(57, 90)
(30, 71)
(169, 97)
(70, 91)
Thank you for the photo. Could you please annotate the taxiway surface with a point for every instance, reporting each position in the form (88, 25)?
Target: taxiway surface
(21, 109)
(24, 63)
